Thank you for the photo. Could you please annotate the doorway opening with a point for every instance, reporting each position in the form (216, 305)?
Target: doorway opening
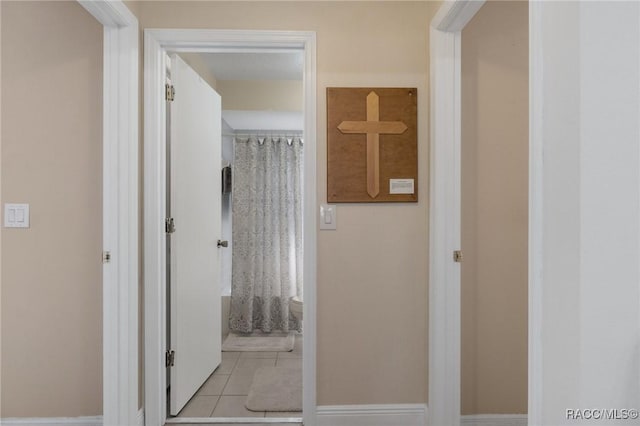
(238, 116)
(494, 212)
(158, 43)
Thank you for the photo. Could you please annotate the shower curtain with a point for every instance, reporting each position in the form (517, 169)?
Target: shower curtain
(267, 233)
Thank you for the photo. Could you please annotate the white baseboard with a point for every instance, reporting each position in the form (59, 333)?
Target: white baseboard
(372, 415)
(52, 421)
(327, 415)
(494, 420)
(61, 421)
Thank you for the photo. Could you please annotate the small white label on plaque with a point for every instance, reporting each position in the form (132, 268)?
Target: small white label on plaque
(401, 186)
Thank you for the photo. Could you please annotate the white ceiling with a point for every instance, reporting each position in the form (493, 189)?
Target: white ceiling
(255, 66)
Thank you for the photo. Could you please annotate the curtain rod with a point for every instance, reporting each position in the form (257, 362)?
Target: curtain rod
(295, 133)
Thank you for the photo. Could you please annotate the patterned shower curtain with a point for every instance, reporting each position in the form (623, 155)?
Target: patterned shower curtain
(267, 233)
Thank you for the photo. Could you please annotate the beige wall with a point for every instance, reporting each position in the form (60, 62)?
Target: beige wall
(261, 95)
(372, 271)
(195, 61)
(52, 159)
(494, 209)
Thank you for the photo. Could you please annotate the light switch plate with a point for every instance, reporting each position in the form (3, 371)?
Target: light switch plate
(16, 215)
(328, 214)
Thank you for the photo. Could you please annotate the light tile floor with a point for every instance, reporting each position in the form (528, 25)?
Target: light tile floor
(225, 392)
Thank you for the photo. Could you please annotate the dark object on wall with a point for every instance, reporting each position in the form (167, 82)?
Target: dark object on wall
(226, 180)
(372, 145)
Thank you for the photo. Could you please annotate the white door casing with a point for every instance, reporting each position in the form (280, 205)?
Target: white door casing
(444, 207)
(195, 187)
(120, 210)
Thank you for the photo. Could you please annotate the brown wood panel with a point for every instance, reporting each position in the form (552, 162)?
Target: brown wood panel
(358, 168)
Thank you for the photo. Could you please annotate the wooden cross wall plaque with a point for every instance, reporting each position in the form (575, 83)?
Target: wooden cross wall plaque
(372, 145)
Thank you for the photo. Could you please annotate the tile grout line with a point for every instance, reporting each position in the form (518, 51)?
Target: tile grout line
(215, 405)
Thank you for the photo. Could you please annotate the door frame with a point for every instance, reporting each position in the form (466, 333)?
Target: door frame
(120, 281)
(444, 279)
(444, 208)
(156, 42)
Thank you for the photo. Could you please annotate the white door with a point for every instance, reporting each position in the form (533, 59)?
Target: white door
(195, 192)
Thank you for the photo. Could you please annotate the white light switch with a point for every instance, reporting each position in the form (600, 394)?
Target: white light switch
(327, 216)
(16, 215)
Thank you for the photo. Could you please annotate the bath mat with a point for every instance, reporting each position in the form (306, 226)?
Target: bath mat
(258, 342)
(276, 389)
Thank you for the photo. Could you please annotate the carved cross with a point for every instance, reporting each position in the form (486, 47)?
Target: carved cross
(373, 128)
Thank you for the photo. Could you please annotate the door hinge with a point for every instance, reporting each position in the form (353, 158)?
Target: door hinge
(169, 92)
(457, 256)
(106, 256)
(169, 225)
(169, 358)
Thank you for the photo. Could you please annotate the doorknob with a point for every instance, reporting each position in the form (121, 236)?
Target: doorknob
(223, 243)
